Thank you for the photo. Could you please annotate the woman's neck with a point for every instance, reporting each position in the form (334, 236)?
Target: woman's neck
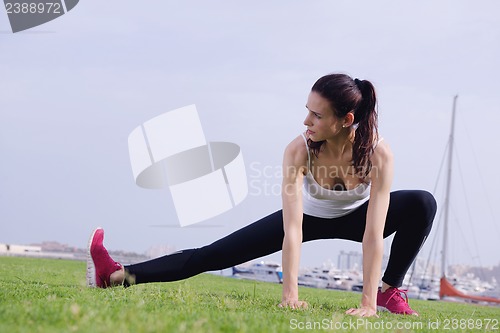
(340, 143)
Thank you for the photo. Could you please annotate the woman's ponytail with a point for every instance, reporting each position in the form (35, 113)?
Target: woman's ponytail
(366, 118)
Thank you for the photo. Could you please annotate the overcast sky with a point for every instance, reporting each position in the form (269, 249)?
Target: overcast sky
(73, 89)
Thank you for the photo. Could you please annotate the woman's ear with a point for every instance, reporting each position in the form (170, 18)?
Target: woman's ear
(348, 119)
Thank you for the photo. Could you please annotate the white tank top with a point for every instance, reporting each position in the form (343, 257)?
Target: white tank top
(321, 202)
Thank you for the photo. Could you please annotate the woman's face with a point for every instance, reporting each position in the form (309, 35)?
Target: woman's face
(321, 122)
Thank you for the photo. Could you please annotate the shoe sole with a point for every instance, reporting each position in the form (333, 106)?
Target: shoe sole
(91, 279)
(384, 309)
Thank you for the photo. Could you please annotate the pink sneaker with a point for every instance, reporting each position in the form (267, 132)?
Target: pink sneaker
(99, 264)
(392, 301)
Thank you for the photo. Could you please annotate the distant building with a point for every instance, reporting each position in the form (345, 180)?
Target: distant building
(348, 261)
(18, 249)
(33, 251)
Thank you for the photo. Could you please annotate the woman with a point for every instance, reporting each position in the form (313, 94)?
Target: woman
(336, 184)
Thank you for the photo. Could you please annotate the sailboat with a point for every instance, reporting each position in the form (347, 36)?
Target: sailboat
(446, 288)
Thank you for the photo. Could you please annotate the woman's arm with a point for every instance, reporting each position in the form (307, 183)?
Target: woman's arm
(291, 193)
(373, 240)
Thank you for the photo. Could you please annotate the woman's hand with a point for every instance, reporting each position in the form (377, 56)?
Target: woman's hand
(293, 304)
(362, 312)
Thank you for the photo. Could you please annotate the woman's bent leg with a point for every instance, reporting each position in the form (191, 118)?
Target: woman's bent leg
(253, 241)
(410, 215)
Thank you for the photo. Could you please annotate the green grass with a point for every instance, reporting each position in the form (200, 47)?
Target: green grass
(40, 295)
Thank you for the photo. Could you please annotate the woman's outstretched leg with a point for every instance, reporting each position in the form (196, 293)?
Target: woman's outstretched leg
(253, 241)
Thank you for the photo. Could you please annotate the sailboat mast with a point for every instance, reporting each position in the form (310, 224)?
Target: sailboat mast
(448, 187)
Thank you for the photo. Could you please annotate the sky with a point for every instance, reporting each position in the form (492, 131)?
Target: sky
(73, 89)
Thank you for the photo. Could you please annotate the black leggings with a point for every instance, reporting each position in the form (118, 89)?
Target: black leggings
(410, 216)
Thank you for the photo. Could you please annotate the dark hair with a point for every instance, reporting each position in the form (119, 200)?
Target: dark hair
(356, 96)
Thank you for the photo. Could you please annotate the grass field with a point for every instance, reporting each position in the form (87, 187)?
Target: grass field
(41, 295)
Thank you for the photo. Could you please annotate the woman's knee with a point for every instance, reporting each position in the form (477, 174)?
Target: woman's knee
(424, 205)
